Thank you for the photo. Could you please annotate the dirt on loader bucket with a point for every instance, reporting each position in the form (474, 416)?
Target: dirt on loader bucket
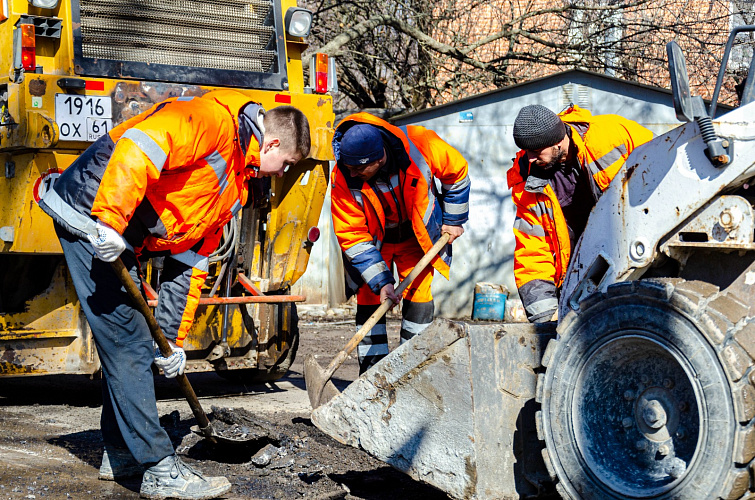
(453, 407)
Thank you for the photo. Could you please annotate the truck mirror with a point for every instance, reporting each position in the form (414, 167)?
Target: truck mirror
(679, 83)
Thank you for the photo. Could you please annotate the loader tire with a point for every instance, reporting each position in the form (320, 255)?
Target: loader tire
(648, 393)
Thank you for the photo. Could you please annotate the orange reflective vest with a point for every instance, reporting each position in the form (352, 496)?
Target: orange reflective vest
(184, 159)
(543, 246)
(358, 217)
(178, 171)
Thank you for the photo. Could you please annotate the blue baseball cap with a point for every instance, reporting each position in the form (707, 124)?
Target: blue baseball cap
(361, 144)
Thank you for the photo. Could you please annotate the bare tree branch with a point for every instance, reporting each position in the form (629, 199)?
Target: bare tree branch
(417, 53)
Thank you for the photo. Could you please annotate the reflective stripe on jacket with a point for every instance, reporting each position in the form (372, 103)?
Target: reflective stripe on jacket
(358, 218)
(543, 247)
(168, 179)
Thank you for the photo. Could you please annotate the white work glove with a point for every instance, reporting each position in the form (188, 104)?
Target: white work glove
(172, 365)
(109, 244)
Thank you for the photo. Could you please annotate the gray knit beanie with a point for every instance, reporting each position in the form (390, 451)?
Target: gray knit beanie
(537, 127)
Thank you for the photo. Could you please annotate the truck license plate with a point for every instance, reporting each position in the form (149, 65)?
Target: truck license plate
(83, 117)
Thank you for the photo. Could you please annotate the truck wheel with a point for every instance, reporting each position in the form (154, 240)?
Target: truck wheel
(281, 364)
(253, 376)
(648, 393)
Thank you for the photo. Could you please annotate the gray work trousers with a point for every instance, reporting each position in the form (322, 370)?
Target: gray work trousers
(124, 344)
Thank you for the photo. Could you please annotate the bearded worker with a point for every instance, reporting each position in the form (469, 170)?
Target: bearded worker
(565, 164)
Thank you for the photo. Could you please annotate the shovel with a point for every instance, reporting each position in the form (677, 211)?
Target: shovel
(319, 388)
(205, 427)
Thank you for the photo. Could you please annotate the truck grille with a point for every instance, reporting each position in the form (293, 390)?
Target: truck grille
(225, 35)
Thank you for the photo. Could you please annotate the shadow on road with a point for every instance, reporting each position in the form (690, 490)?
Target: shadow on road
(87, 446)
(81, 391)
(373, 484)
(72, 390)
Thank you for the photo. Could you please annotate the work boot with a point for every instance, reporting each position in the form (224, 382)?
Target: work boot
(119, 463)
(172, 478)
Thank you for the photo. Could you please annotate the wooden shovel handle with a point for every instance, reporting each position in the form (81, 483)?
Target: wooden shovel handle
(162, 343)
(385, 306)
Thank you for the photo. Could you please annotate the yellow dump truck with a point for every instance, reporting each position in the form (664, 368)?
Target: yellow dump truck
(72, 70)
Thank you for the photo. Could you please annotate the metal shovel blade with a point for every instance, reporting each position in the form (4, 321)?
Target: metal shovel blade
(319, 387)
(206, 432)
(219, 437)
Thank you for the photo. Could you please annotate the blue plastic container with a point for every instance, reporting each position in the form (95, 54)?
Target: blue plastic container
(489, 302)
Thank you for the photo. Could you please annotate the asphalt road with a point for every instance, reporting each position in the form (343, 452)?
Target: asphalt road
(51, 446)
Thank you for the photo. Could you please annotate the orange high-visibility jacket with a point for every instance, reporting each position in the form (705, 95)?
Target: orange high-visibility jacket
(543, 247)
(358, 217)
(168, 179)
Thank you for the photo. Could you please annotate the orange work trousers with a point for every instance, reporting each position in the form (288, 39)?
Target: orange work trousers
(405, 256)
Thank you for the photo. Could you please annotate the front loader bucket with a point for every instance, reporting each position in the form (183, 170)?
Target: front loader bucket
(454, 407)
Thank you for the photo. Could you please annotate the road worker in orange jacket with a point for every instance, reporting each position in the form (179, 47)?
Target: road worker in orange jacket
(565, 164)
(162, 184)
(395, 190)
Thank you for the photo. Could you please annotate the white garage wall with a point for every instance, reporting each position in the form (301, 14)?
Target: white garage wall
(485, 252)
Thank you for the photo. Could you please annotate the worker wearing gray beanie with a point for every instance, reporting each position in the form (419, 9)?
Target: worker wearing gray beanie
(566, 162)
(537, 127)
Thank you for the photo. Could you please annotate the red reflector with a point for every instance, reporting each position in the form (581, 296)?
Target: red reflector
(313, 234)
(28, 58)
(321, 83)
(283, 98)
(28, 47)
(95, 85)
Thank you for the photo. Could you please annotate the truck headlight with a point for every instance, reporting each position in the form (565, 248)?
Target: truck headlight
(44, 4)
(298, 21)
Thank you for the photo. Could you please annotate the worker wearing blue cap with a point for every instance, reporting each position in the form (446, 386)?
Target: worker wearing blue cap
(387, 211)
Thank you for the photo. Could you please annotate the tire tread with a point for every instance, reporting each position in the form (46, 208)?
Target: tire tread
(725, 323)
